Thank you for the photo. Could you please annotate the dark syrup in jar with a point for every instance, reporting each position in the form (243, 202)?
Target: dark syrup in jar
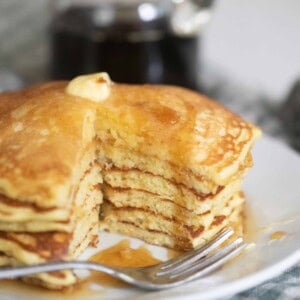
(131, 52)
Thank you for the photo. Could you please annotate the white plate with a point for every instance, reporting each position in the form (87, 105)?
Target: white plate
(272, 188)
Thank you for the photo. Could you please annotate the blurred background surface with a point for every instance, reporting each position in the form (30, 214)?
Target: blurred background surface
(255, 42)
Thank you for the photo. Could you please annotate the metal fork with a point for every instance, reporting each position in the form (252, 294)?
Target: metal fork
(174, 272)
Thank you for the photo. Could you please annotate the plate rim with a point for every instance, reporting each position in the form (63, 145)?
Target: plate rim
(233, 287)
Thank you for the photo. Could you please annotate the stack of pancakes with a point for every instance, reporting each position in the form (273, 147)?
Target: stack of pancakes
(49, 179)
(171, 160)
(174, 163)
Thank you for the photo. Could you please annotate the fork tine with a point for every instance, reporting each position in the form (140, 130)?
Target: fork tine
(194, 255)
(210, 263)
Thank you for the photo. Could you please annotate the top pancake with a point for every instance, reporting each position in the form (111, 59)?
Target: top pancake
(179, 126)
(43, 135)
(44, 132)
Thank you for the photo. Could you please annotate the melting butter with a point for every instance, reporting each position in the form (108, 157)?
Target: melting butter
(95, 87)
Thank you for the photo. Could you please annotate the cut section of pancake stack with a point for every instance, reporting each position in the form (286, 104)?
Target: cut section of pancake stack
(173, 165)
(168, 161)
(49, 180)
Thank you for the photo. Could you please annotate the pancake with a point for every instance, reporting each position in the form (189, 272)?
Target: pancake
(35, 248)
(159, 230)
(16, 216)
(42, 139)
(122, 158)
(50, 192)
(168, 161)
(160, 222)
(164, 189)
(131, 198)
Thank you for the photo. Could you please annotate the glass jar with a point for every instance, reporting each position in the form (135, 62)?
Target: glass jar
(134, 41)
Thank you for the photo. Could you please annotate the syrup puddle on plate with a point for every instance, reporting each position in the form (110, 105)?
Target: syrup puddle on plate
(277, 235)
(174, 253)
(120, 255)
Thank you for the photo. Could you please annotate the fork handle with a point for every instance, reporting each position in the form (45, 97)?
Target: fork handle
(15, 272)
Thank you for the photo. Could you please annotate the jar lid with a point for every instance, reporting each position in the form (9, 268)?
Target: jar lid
(130, 19)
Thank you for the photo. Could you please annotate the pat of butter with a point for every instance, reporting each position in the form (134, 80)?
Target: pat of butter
(95, 87)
